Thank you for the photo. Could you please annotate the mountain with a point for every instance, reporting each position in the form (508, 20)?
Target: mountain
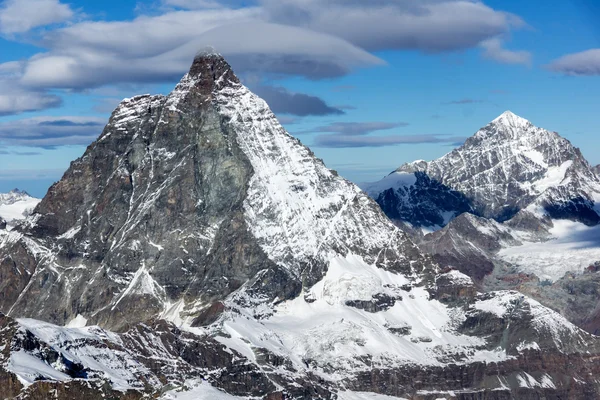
(197, 249)
(414, 200)
(16, 205)
(532, 225)
(508, 166)
(201, 192)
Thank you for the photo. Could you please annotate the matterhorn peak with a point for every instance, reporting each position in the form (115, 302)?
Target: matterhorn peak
(210, 66)
(508, 118)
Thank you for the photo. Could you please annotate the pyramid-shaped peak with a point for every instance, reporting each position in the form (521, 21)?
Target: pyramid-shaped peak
(509, 118)
(210, 65)
(17, 191)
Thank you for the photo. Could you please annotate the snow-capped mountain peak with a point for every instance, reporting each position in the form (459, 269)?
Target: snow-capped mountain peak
(511, 164)
(509, 119)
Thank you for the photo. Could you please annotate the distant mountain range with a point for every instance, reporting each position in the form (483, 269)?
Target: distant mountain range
(15, 205)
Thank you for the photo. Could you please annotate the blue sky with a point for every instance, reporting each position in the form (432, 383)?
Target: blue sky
(368, 85)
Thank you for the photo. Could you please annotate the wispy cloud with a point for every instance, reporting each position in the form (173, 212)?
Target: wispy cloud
(426, 25)
(282, 101)
(494, 50)
(585, 63)
(359, 134)
(17, 101)
(347, 141)
(50, 132)
(355, 128)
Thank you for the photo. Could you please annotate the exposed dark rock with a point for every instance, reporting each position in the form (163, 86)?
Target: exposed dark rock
(424, 203)
(400, 330)
(209, 315)
(379, 302)
(453, 290)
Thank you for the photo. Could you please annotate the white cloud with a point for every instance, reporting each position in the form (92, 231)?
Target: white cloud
(583, 63)
(427, 25)
(15, 99)
(160, 49)
(16, 102)
(19, 16)
(294, 37)
(311, 38)
(50, 132)
(494, 50)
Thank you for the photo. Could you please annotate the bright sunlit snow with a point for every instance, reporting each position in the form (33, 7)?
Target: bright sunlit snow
(198, 390)
(574, 248)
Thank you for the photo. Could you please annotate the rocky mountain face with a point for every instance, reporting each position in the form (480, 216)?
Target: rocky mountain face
(511, 165)
(197, 249)
(468, 243)
(187, 198)
(15, 205)
(415, 199)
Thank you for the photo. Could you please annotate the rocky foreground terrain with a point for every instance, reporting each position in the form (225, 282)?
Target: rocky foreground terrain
(197, 250)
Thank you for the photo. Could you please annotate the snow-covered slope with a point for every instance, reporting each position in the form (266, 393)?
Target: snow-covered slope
(572, 247)
(16, 205)
(300, 211)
